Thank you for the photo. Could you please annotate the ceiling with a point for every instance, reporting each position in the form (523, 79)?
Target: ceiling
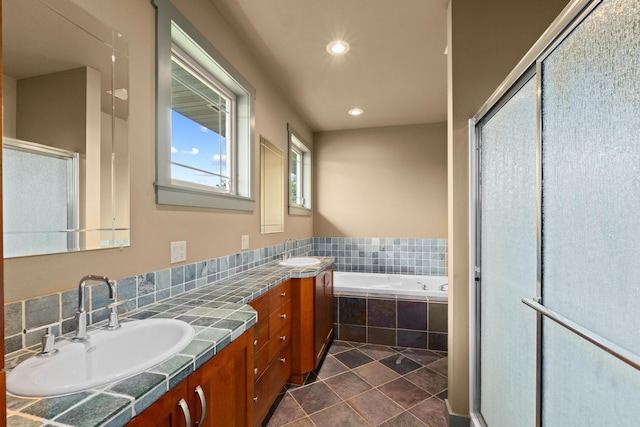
(395, 70)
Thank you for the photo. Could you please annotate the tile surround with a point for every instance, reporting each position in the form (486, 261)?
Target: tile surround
(25, 320)
(378, 320)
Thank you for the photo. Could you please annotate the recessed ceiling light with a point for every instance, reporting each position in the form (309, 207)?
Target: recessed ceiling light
(356, 111)
(338, 47)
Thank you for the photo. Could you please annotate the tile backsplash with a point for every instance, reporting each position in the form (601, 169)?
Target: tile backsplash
(385, 255)
(25, 320)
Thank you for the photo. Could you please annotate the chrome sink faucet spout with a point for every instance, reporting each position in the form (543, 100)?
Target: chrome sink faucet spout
(81, 314)
(286, 255)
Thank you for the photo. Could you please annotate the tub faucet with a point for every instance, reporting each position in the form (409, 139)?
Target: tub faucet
(81, 314)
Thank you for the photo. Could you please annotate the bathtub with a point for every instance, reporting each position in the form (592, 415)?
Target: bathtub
(430, 287)
(391, 309)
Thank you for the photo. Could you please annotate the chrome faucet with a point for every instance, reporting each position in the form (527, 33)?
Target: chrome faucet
(286, 254)
(81, 314)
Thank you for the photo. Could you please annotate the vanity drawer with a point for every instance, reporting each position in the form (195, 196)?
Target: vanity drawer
(283, 364)
(266, 390)
(261, 305)
(271, 382)
(261, 334)
(281, 338)
(279, 318)
(279, 296)
(261, 361)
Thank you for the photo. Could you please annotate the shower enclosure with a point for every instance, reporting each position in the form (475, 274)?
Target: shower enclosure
(555, 171)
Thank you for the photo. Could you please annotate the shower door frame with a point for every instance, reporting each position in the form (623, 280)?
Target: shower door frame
(528, 67)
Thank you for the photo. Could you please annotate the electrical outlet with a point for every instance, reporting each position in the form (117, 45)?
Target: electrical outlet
(178, 251)
(244, 244)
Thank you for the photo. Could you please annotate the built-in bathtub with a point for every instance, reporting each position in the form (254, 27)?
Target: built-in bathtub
(428, 287)
(391, 309)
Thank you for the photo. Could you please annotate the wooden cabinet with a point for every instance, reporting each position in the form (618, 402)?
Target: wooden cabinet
(272, 345)
(312, 325)
(223, 385)
(168, 411)
(227, 385)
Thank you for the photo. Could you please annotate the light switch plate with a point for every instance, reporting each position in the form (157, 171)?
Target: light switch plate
(178, 251)
(244, 242)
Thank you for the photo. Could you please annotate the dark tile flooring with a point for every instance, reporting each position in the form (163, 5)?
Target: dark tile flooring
(368, 385)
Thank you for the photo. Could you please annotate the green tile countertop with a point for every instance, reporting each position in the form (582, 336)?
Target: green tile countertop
(218, 313)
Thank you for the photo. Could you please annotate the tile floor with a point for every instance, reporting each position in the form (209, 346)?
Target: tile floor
(368, 385)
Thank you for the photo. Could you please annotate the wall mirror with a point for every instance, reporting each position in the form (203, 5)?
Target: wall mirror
(65, 132)
(271, 188)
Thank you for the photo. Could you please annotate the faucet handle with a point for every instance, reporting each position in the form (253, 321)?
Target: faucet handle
(48, 342)
(113, 315)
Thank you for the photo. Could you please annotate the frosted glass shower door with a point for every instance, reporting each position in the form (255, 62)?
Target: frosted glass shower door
(508, 193)
(591, 218)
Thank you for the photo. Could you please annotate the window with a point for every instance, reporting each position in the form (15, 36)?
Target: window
(295, 165)
(299, 175)
(204, 120)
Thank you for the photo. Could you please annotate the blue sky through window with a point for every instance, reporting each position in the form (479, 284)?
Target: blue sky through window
(197, 146)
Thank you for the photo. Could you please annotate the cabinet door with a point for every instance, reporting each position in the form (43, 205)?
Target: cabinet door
(226, 382)
(324, 312)
(169, 411)
(319, 317)
(328, 306)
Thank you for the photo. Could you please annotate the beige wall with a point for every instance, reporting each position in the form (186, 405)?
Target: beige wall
(209, 233)
(9, 98)
(381, 182)
(486, 40)
(54, 109)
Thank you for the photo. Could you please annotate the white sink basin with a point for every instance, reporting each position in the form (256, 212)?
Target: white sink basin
(301, 261)
(106, 357)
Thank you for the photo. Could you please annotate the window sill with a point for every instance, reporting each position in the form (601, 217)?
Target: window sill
(167, 194)
(295, 210)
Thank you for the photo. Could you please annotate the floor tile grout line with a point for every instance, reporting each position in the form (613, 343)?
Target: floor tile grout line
(375, 357)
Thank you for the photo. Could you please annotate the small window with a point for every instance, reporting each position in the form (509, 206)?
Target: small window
(299, 175)
(204, 147)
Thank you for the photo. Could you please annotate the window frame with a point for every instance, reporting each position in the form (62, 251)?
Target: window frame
(173, 29)
(299, 145)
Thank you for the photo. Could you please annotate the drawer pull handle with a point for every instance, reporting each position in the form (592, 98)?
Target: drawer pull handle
(283, 294)
(283, 316)
(203, 403)
(255, 342)
(185, 411)
(255, 371)
(283, 338)
(255, 399)
(283, 360)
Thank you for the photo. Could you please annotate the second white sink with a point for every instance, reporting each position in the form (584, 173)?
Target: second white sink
(300, 261)
(107, 356)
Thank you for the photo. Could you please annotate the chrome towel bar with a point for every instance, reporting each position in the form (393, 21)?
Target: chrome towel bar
(606, 345)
